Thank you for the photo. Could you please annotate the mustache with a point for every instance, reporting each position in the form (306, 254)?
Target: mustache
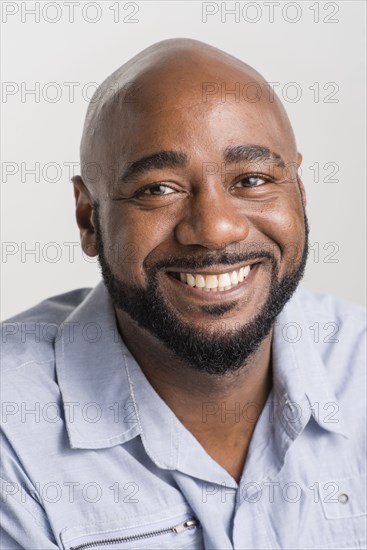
(201, 262)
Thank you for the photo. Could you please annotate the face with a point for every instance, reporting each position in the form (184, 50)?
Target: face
(203, 244)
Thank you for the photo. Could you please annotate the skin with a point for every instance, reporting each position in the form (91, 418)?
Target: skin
(205, 214)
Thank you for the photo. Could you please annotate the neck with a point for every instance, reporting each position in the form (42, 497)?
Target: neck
(220, 411)
(190, 393)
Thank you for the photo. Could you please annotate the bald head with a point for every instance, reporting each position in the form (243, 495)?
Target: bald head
(179, 74)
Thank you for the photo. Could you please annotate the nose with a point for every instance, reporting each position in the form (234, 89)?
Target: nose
(213, 219)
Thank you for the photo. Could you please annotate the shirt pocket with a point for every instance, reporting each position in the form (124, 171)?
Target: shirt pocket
(344, 507)
(344, 498)
(176, 532)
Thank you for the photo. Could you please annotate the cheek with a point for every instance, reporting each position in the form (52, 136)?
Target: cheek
(283, 223)
(132, 237)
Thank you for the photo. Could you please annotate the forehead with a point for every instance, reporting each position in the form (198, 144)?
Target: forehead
(196, 127)
(196, 105)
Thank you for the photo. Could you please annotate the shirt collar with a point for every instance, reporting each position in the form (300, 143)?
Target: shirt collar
(106, 397)
(108, 400)
(98, 408)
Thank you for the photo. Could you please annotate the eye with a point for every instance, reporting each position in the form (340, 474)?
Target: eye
(156, 190)
(251, 181)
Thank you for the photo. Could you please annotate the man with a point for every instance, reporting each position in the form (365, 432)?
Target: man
(185, 402)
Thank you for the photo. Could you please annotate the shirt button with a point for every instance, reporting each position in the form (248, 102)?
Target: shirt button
(343, 498)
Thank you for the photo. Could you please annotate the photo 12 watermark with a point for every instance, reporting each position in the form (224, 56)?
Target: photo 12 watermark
(74, 12)
(270, 12)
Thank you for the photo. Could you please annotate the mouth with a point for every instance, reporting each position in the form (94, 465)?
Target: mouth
(215, 281)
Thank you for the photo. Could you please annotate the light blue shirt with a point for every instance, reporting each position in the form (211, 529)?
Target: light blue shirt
(92, 457)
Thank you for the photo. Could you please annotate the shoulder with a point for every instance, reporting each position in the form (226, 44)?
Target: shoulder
(333, 320)
(330, 306)
(336, 328)
(28, 338)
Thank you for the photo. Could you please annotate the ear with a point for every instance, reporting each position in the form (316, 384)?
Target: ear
(300, 183)
(84, 216)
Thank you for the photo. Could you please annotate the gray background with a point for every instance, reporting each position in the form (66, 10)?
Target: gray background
(321, 49)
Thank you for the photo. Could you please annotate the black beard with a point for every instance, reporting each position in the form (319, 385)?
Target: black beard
(216, 353)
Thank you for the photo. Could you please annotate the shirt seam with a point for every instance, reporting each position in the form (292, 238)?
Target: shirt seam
(142, 434)
(38, 518)
(32, 362)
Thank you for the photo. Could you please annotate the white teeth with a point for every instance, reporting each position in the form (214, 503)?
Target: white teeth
(214, 283)
(246, 270)
(190, 279)
(234, 278)
(199, 281)
(211, 281)
(224, 280)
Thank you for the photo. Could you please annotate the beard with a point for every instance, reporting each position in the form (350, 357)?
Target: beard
(218, 352)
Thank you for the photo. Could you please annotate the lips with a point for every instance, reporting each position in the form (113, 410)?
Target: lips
(213, 282)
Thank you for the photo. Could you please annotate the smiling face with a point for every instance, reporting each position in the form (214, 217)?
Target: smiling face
(200, 224)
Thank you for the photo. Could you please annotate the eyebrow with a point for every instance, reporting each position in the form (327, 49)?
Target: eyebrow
(251, 153)
(178, 159)
(157, 161)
